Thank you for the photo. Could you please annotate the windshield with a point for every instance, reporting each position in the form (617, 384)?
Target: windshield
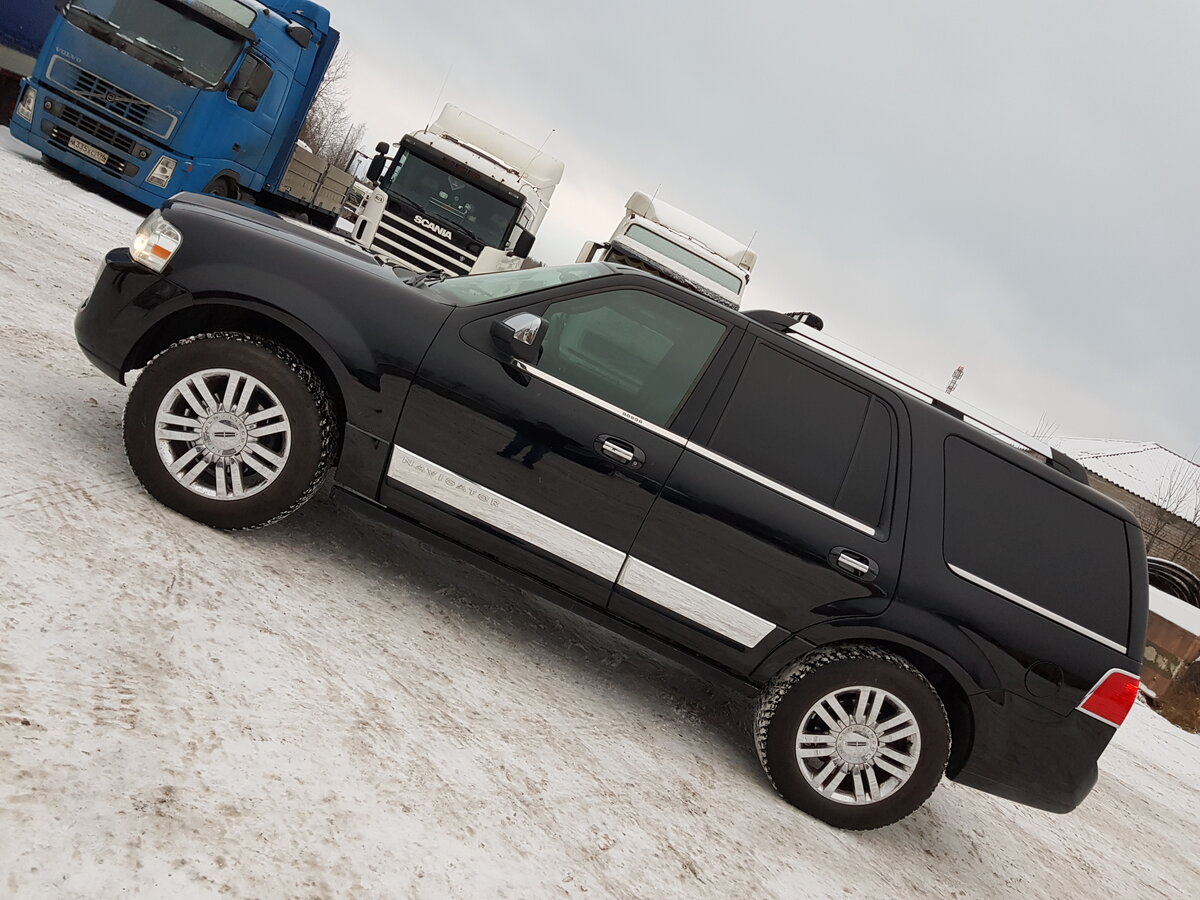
(468, 290)
(161, 36)
(675, 253)
(450, 200)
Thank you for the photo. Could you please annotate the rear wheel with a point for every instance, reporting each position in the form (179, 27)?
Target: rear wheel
(230, 430)
(853, 735)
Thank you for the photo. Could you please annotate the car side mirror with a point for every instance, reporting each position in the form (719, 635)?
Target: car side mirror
(520, 335)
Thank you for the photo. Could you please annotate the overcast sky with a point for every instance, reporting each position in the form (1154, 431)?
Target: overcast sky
(1008, 186)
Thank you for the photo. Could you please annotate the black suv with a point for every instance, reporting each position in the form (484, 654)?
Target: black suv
(910, 587)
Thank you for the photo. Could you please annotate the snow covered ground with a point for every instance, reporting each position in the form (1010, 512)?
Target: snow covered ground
(325, 709)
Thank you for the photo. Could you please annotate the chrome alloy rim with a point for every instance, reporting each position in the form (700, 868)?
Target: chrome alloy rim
(858, 745)
(222, 434)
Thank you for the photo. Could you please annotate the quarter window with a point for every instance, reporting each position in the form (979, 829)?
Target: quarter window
(1036, 540)
(810, 432)
(631, 348)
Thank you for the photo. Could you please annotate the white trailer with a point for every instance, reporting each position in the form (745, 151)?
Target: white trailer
(459, 196)
(657, 237)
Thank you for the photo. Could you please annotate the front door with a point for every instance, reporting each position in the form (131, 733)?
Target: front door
(551, 466)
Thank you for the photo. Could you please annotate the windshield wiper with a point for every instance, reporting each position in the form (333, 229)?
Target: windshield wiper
(421, 279)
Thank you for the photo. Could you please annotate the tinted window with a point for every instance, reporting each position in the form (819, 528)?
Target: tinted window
(817, 435)
(636, 350)
(1034, 539)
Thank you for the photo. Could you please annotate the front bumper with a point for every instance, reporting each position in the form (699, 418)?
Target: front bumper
(124, 305)
(80, 138)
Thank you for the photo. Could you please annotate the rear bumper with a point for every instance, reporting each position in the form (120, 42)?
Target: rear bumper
(1028, 754)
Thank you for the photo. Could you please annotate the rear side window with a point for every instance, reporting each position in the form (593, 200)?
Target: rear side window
(1023, 534)
(810, 432)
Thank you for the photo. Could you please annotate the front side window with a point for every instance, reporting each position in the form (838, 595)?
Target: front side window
(633, 349)
(810, 432)
(448, 199)
(162, 36)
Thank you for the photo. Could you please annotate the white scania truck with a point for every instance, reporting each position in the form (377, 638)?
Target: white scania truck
(460, 196)
(659, 238)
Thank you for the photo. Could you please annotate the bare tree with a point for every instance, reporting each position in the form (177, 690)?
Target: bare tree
(1045, 428)
(1170, 523)
(327, 129)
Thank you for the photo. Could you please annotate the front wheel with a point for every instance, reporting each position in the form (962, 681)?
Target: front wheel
(230, 430)
(853, 735)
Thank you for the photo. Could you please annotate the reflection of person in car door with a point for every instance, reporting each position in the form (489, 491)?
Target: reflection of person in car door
(523, 438)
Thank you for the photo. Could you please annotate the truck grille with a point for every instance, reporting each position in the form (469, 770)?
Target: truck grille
(418, 248)
(95, 128)
(106, 95)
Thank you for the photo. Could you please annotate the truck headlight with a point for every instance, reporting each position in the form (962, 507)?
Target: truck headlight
(28, 101)
(161, 174)
(155, 242)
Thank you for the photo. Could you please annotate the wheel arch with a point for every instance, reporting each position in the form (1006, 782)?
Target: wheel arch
(226, 176)
(231, 316)
(951, 683)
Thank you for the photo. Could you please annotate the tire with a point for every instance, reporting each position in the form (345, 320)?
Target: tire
(829, 706)
(222, 186)
(232, 456)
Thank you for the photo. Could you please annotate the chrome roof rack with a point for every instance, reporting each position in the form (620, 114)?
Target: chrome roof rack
(914, 387)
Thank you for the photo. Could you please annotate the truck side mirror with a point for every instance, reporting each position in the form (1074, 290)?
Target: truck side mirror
(299, 34)
(375, 169)
(588, 253)
(524, 245)
(520, 335)
(250, 83)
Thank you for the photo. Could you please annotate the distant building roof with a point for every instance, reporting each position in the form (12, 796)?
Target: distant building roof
(1146, 469)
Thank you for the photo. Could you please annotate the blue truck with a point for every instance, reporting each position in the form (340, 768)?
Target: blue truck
(155, 97)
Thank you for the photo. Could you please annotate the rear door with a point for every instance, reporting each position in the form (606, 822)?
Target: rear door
(780, 514)
(551, 467)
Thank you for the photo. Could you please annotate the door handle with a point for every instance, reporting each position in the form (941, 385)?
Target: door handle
(616, 451)
(621, 451)
(855, 564)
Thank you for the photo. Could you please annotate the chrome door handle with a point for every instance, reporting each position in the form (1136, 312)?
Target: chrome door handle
(846, 561)
(616, 451)
(853, 564)
(620, 451)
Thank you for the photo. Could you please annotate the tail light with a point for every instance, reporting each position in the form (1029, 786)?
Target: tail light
(1112, 697)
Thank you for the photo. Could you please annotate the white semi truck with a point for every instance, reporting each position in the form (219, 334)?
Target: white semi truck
(458, 197)
(659, 238)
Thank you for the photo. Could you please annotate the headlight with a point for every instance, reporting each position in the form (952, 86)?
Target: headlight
(155, 242)
(28, 99)
(161, 174)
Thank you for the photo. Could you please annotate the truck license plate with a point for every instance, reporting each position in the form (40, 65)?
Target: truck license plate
(87, 150)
